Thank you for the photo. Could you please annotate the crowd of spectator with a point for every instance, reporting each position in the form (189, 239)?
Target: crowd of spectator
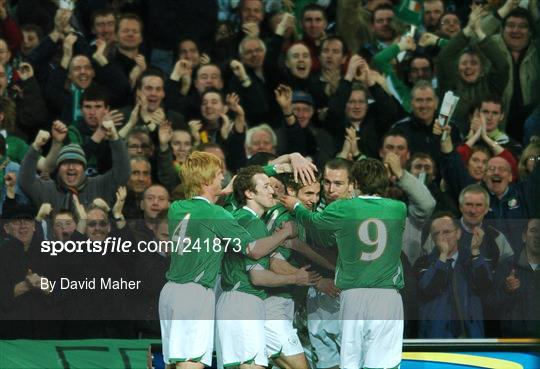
(101, 104)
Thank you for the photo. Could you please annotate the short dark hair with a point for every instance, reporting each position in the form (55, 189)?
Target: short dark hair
(379, 8)
(344, 47)
(243, 2)
(244, 182)
(102, 12)
(55, 214)
(207, 65)
(418, 55)
(95, 93)
(32, 27)
(444, 214)
(213, 90)
(313, 8)
(340, 163)
(444, 14)
(370, 177)
(184, 39)
(150, 72)
(261, 158)
(519, 12)
(421, 155)
(481, 148)
(395, 133)
(288, 180)
(492, 98)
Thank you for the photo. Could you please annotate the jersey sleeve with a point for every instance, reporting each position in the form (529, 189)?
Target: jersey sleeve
(226, 226)
(320, 226)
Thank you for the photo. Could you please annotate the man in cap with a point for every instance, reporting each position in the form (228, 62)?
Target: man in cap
(71, 179)
(298, 134)
(25, 306)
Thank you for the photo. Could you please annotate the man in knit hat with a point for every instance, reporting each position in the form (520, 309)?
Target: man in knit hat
(70, 178)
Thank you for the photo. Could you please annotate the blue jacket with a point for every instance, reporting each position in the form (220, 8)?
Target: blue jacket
(437, 316)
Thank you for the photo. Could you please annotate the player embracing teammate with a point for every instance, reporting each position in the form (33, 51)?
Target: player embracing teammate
(368, 230)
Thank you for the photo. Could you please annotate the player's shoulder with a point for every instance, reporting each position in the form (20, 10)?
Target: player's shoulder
(387, 203)
(199, 207)
(250, 221)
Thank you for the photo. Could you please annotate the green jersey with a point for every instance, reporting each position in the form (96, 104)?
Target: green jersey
(368, 231)
(16, 148)
(274, 217)
(201, 232)
(236, 267)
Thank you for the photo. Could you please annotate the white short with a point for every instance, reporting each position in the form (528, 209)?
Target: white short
(186, 313)
(324, 329)
(240, 329)
(372, 328)
(281, 337)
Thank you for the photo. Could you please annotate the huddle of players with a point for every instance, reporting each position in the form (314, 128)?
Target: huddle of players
(253, 326)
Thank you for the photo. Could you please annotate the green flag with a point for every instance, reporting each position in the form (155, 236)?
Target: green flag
(410, 11)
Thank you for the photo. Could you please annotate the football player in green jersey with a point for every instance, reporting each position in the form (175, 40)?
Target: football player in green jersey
(201, 232)
(240, 312)
(282, 341)
(368, 231)
(323, 301)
